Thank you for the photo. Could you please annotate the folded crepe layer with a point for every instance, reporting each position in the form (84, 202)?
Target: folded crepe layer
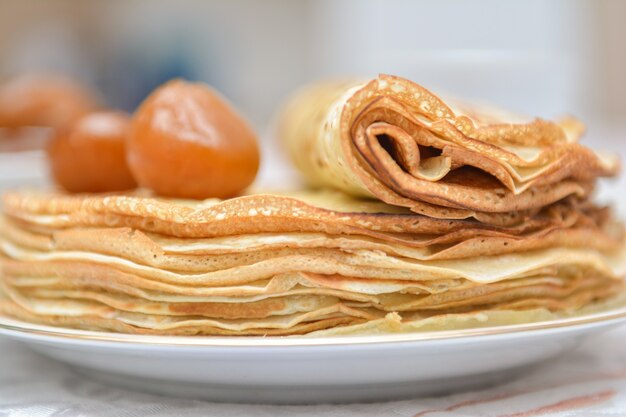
(88, 276)
(475, 297)
(323, 328)
(396, 141)
(93, 322)
(88, 314)
(208, 254)
(72, 276)
(394, 323)
(78, 308)
(277, 306)
(319, 211)
(108, 306)
(365, 264)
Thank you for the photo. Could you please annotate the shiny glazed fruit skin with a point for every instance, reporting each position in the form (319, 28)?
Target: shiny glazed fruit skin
(90, 154)
(188, 142)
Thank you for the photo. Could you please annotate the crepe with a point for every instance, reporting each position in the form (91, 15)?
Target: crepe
(311, 211)
(190, 255)
(310, 262)
(368, 264)
(393, 140)
(336, 319)
(112, 293)
(549, 289)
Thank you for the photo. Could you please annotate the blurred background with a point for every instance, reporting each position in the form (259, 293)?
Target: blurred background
(538, 57)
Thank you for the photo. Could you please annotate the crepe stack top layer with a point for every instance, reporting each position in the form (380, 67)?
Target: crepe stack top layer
(440, 219)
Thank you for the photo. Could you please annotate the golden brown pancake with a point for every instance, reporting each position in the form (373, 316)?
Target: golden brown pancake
(272, 264)
(394, 140)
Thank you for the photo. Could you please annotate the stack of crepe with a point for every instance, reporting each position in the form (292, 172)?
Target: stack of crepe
(427, 215)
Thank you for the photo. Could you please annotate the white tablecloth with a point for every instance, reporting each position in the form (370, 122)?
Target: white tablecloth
(590, 381)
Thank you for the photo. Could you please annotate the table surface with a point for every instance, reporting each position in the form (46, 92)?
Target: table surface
(590, 381)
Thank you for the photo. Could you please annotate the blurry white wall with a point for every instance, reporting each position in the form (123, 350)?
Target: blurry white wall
(534, 56)
(539, 57)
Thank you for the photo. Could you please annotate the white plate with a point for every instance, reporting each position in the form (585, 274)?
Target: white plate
(307, 369)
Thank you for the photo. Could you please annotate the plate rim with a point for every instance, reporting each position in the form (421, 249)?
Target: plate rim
(10, 326)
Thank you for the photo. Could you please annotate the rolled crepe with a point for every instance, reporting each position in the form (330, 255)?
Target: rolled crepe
(393, 140)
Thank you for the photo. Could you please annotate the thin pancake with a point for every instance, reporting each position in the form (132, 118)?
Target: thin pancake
(339, 319)
(366, 264)
(476, 296)
(315, 211)
(202, 254)
(396, 141)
